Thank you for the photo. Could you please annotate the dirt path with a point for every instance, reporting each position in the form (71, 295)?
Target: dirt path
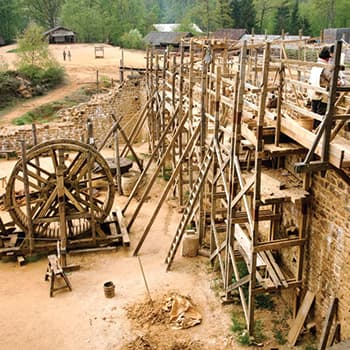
(81, 69)
(25, 106)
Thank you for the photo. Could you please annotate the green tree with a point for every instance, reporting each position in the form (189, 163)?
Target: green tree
(282, 18)
(223, 14)
(44, 12)
(10, 19)
(243, 13)
(132, 40)
(263, 9)
(33, 49)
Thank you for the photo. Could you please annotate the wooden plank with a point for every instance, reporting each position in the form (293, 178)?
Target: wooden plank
(273, 275)
(123, 230)
(328, 324)
(301, 317)
(339, 151)
(244, 241)
(271, 183)
(277, 269)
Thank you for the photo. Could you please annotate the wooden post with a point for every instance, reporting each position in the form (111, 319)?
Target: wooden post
(300, 47)
(215, 161)
(91, 199)
(29, 234)
(279, 105)
(328, 119)
(203, 136)
(121, 66)
(180, 143)
(257, 189)
(61, 206)
(97, 82)
(117, 162)
(35, 142)
(162, 106)
(190, 107)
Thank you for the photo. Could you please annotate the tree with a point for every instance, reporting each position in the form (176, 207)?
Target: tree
(44, 12)
(223, 14)
(33, 49)
(282, 18)
(295, 21)
(243, 13)
(10, 19)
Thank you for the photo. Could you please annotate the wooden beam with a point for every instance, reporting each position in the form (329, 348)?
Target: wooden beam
(305, 137)
(301, 317)
(328, 323)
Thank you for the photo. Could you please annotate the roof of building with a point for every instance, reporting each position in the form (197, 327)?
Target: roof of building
(165, 38)
(291, 41)
(229, 33)
(173, 27)
(263, 37)
(59, 30)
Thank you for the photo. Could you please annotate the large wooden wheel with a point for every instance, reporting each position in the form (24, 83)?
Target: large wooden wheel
(60, 171)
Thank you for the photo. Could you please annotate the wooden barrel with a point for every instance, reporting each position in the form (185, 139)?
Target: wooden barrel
(128, 181)
(109, 288)
(190, 244)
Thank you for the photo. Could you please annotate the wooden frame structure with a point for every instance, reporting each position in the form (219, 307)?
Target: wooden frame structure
(210, 121)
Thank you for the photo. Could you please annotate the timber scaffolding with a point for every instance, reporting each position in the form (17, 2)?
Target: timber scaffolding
(241, 159)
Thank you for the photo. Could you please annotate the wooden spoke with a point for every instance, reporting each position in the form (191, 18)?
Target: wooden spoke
(43, 185)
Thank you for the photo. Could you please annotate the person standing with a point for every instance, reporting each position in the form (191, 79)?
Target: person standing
(64, 55)
(69, 55)
(320, 77)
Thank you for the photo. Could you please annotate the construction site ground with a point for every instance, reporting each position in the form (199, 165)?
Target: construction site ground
(84, 318)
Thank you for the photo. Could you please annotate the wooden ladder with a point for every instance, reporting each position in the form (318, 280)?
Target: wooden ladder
(188, 212)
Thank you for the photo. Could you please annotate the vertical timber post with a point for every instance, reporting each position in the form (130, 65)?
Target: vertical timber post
(29, 234)
(203, 136)
(61, 206)
(117, 161)
(257, 189)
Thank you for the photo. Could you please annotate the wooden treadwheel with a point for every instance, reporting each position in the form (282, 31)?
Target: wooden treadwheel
(61, 170)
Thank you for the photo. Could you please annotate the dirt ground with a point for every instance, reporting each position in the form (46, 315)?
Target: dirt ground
(85, 319)
(81, 69)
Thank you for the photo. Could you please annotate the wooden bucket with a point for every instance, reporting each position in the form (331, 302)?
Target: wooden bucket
(109, 288)
(128, 181)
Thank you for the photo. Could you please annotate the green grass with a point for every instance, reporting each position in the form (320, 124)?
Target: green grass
(47, 112)
(241, 333)
(280, 337)
(264, 301)
(238, 324)
(13, 51)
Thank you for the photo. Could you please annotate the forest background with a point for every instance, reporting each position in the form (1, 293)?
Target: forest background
(113, 21)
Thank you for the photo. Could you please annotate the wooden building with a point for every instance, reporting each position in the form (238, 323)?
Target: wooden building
(164, 39)
(229, 33)
(61, 35)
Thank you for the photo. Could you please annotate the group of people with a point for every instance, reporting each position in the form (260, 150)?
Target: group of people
(67, 54)
(321, 77)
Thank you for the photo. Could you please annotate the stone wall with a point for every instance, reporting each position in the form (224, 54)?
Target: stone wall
(327, 259)
(328, 272)
(124, 102)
